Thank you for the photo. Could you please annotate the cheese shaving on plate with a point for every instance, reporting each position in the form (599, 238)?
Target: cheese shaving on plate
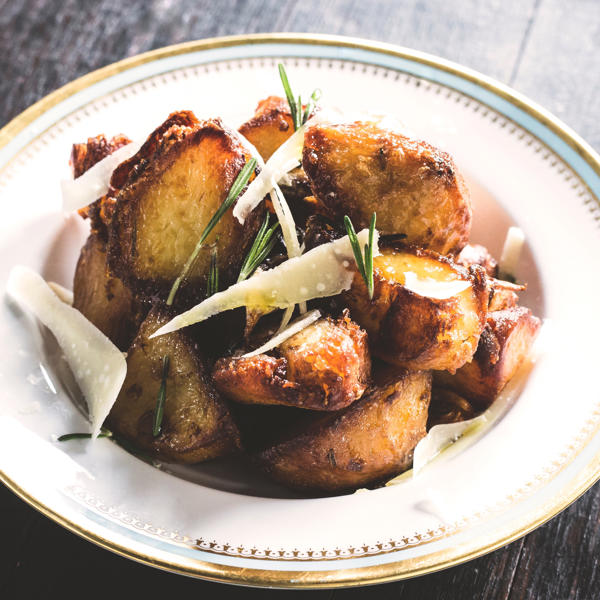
(326, 270)
(95, 182)
(98, 366)
(440, 290)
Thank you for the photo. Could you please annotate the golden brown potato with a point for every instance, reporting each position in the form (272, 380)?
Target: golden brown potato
(414, 331)
(365, 443)
(103, 299)
(83, 157)
(197, 424)
(503, 294)
(359, 168)
(270, 126)
(504, 344)
(475, 254)
(326, 366)
(172, 189)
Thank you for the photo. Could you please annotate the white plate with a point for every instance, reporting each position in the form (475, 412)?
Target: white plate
(225, 522)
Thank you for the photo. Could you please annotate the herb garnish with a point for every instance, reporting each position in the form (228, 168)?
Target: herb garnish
(238, 185)
(159, 410)
(104, 433)
(212, 286)
(365, 265)
(261, 247)
(298, 117)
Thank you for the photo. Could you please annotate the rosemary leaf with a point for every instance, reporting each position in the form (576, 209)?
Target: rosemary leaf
(213, 275)
(238, 185)
(364, 264)
(83, 436)
(261, 248)
(159, 410)
(288, 94)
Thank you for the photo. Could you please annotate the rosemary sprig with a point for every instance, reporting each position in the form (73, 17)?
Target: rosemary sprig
(298, 117)
(261, 247)
(364, 264)
(212, 286)
(104, 433)
(159, 409)
(232, 196)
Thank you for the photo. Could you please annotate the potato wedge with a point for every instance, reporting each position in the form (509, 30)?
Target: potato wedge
(197, 424)
(359, 168)
(172, 189)
(270, 126)
(414, 331)
(104, 299)
(326, 366)
(363, 444)
(504, 344)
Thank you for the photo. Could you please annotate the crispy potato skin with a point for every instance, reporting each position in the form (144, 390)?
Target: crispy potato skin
(504, 344)
(475, 254)
(197, 424)
(172, 188)
(371, 440)
(323, 367)
(270, 126)
(359, 168)
(103, 299)
(414, 331)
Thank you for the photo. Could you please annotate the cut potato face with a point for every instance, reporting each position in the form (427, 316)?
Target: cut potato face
(326, 366)
(104, 299)
(270, 126)
(415, 331)
(371, 440)
(504, 344)
(180, 179)
(197, 424)
(359, 168)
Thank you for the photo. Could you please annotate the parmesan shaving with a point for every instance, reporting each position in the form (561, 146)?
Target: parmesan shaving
(94, 183)
(326, 270)
(97, 364)
(440, 290)
(63, 293)
(511, 252)
(287, 157)
(287, 333)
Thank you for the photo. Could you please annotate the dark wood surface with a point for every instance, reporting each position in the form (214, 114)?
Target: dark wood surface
(547, 49)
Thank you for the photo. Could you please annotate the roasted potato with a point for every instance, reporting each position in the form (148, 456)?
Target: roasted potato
(197, 424)
(504, 344)
(359, 168)
(270, 126)
(447, 406)
(503, 294)
(363, 444)
(83, 157)
(475, 254)
(415, 331)
(168, 193)
(326, 366)
(104, 299)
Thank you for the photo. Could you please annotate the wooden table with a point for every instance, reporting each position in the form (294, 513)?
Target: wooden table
(547, 49)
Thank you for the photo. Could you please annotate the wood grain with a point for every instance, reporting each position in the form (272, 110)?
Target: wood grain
(545, 48)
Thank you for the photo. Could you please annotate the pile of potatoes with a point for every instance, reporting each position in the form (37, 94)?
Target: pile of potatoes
(343, 403)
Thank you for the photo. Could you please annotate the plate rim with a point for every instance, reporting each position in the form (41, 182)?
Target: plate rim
(335, 578)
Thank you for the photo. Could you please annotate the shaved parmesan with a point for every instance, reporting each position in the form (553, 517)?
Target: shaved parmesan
(97, 364)
(287, 157)
(63, 293)
(326, 270)
(511, 252)
(94, 183)
(440, 290)
(297, 326)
